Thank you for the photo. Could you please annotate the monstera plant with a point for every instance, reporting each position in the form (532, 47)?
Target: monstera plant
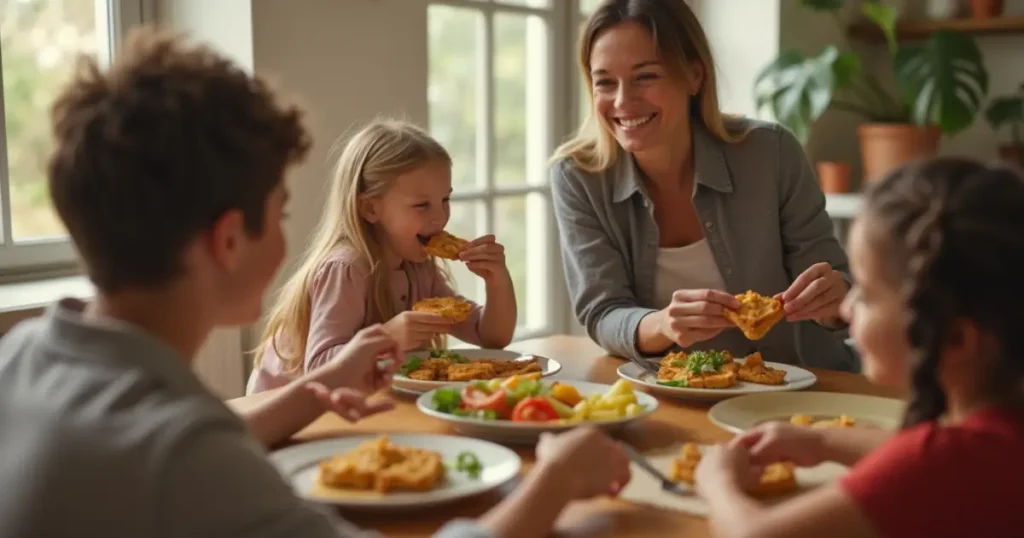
(1007, 111)
(941, 86)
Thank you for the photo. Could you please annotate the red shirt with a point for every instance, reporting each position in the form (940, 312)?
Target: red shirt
(934, 481)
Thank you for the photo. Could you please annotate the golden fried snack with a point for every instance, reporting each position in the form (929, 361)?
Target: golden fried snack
(454, 309)
(842, 421)
(383, 466)
(757, 314)
(445, 245)
(754, 370)
(677, 367)
(471, 371)
(776, 479)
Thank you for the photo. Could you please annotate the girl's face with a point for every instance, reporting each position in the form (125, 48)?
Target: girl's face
(876, 312)
(413, 209)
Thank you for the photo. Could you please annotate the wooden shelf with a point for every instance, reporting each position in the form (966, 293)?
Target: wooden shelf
(916, 29)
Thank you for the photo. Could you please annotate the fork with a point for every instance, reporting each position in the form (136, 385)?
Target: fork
(666, 483)
(646, 365)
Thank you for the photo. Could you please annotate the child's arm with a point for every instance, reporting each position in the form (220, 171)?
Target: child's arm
(497, 321)
(337, 309)
(807, 447)
(355, 369)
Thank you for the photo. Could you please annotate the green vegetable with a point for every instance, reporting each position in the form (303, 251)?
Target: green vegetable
(680, 383)
(469, 463)
(447, 399)
(526, 389)
(702, 361)
(446, 354)
(679, 364)
(414, 364)
(564, 411)
(485, 414)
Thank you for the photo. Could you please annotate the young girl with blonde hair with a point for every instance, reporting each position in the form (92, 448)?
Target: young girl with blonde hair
(366, 263)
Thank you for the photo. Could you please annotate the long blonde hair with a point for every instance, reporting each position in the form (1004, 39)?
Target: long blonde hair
(371, 160)
(680, 40)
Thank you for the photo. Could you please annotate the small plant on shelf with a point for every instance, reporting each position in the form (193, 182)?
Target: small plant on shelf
(1007, 111)
(941, 85)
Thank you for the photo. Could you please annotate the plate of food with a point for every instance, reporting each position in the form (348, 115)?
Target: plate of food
(811, 409)
(395, 471)
(519, 409)
(422, 371)
(678, 464)
(716, 375)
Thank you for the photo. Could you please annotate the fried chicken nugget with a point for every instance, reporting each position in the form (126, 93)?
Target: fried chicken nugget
(445, 245)
(757, 314)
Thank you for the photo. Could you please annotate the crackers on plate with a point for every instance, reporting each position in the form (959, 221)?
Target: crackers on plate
(757, 314)
(452, 308)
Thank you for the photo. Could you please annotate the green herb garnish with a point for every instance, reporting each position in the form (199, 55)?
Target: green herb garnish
(469, 463)
(411, 366)
(699, 362)
(447, 399)
(447, 354)
(679, 383)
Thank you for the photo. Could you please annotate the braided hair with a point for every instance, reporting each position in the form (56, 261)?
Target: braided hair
(954, 236)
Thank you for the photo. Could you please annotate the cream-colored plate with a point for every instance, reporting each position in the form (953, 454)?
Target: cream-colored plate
(743, 413)
(796, 379)
(300, 465)
(645, 489)
(415, 386)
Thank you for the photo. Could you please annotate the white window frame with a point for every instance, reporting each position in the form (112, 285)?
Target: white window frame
(45, 255)
(561, 18)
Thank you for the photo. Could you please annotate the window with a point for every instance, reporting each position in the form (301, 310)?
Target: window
(495, 71)
(39, 41)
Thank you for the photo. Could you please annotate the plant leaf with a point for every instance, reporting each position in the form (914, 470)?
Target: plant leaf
(798, 89)
(823, 5)
(884, 16)
(944, 81)
(1005, 111)
(845, 67)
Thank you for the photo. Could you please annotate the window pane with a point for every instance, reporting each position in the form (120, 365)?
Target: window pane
(527, 3)
(521, 118)
(466, 222)
(455, 40)
(529, 273)
(589, 6)
(39, 41)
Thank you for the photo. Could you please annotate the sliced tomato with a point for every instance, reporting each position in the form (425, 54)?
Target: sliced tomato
(476, 398)
(537, 409)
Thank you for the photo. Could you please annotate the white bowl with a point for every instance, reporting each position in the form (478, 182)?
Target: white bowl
(508, 431)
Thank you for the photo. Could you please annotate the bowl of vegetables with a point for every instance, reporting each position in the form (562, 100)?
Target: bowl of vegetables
(520, 408)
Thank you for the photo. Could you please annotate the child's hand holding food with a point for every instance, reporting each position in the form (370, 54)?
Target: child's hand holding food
(412, 330)
(589, 461)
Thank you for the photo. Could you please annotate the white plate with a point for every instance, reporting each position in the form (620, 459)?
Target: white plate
(299, 464)
(796, 378)
(548, 367)
(527, 432)
(741, 414)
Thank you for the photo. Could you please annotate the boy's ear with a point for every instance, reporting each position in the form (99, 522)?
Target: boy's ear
(225, 239)
(368, 209)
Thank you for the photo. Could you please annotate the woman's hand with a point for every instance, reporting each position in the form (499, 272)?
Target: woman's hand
(696, 315)
(486, 258)
(816, 295)
(412, 330)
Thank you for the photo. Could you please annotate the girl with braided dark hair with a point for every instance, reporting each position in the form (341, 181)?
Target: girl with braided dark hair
(936, 256)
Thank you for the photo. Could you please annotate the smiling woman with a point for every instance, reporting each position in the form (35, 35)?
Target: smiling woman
(667, 208)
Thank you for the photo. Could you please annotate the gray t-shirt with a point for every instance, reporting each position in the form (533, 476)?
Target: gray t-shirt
(104, 431)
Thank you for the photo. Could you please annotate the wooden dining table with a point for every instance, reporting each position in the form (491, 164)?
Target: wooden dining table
(675, 421)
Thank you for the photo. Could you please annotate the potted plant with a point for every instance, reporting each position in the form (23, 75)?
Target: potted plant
(1008, 111)
(941, 85)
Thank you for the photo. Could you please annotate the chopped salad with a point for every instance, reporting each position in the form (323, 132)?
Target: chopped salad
(528, 399)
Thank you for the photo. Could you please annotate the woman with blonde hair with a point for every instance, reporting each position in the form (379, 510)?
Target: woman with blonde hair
(366, 263)
(667, 207)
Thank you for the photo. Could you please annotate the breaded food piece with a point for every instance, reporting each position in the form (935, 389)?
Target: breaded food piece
(454, 309)
(511, 368)
(842, 421)
(470, 371)
(676, 359)
(712, 380)
(777, 478)
(423, 374)
(383, 466)
(445, 245)
(754, 370)
(757, 314)
(676, 367)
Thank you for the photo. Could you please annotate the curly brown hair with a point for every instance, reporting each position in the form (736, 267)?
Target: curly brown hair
(952, 238)
(153, 150)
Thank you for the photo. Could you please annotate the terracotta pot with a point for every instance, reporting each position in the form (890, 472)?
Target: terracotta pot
(986, 9)
(1012, 154)
(834, 177)
(886, 146)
